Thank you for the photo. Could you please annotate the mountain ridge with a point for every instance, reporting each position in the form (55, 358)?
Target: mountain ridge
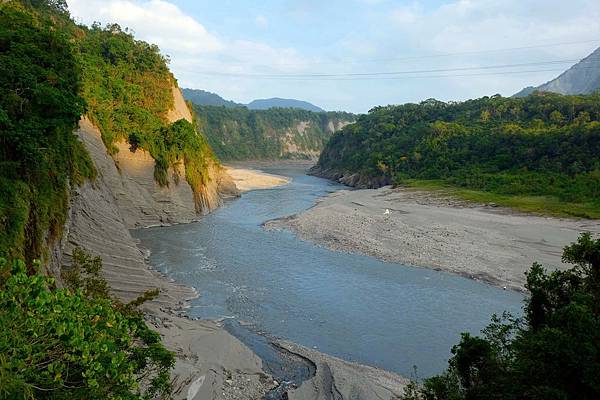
(581, 78)
(277, 102)
(205, 98)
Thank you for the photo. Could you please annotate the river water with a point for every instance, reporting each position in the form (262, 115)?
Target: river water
(351, 306)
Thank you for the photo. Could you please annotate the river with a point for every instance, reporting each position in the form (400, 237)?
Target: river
(351, 306)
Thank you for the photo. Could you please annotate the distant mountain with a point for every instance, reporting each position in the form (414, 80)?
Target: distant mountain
(581, 78)
(204, 98)
(265, 104)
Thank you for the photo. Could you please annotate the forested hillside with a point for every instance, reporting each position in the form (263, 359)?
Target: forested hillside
(53, 72)
(40, 104)
(128, 88)
(533, 356)
(242, 134)
(65, 336)
(541, 145)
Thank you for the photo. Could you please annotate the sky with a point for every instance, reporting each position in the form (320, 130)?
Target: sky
(352, 55)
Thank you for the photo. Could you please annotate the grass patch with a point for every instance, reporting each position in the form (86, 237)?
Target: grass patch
(543, 205)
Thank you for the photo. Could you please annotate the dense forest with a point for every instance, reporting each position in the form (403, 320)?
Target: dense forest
(40, 105)
(541, 145)
(551, 353)
(243, 134)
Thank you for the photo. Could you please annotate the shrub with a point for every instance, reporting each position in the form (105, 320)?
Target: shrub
(75, 343)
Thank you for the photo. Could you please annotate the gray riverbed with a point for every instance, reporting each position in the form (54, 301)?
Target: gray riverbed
(350, 306)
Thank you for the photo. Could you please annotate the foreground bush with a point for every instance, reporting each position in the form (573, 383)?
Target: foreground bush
(75, 344)
(552, 353)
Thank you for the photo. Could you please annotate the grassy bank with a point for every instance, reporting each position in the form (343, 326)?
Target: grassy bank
(543, 205)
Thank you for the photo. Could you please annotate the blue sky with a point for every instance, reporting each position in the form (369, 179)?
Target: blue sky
(245, 50)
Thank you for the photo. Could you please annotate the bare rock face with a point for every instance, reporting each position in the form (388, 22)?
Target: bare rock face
(581, 78)
(338, 126)
(180, 109)
(98, 225)
(147, 203)
(142, 201)
(125, 196)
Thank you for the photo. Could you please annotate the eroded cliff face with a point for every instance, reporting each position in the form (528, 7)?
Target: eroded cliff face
(143, 201)
(333, 127)
(298, 141)
(352, 179)
(125, 196)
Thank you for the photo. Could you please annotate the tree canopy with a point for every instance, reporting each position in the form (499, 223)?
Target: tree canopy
(551, 353)
(40, 104)
(544, 144)
(75, 343)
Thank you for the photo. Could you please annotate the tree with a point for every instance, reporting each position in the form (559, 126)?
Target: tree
(75, 343)
(553, 352)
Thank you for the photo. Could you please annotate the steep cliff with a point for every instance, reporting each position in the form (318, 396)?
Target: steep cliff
(143, 201)
(279, 133)
(125, 195)
(63, 187)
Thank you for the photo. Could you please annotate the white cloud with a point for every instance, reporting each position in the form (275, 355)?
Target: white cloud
(376, 35)
(194, 51)
(261, 21)
(155, 21)
(406, 14)
(469, 25)
(472, 30)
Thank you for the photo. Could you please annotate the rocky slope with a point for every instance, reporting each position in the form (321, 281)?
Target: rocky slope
(125, 196)
(141, 200)
(581, 78)
(350, 178)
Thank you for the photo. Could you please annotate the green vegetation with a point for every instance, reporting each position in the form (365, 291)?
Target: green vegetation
(541, 147)
(52, 72)
(242, 134)
(552, 353)
(179, 142)
(76, 343)
(128, 89)
(547, 205)
(40, 157)
(126, 84)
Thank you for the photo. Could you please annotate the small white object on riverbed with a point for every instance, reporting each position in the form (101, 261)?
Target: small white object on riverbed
(387, 211)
